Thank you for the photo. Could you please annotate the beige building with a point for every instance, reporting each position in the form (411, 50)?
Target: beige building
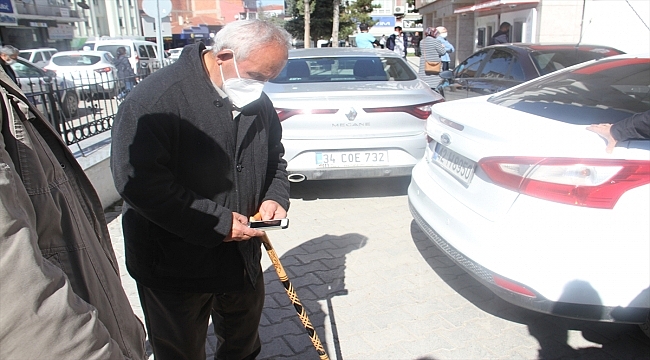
(622, 24)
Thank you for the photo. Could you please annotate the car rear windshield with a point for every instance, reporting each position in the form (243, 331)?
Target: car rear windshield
(113, 49)
(25, 54)
(552, 58)
(605, 91)
(76, 60)
(340, 69)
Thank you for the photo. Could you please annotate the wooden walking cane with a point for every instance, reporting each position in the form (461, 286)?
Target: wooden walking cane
(291, 292)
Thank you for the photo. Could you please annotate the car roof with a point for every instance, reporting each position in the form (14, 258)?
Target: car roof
(555, 46)
(82, 52)
(340, 51)
(39, 49)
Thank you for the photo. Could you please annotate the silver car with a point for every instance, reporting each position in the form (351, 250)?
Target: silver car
(350, 113)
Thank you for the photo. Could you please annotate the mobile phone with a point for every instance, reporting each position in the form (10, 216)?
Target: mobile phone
(269, 224)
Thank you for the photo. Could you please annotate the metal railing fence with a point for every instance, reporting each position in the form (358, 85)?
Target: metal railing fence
(82, 105)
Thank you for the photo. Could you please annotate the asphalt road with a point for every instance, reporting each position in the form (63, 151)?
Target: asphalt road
(376, 288)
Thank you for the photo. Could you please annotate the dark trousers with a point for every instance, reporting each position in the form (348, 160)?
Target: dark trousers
(177, 323)
(445, 65)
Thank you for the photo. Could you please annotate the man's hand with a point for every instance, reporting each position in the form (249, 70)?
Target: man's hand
(240, 230)
(272, 210)
(604, 131)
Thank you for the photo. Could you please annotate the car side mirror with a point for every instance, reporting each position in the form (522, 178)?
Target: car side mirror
(446, 75)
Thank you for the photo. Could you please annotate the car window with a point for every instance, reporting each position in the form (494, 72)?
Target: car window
(605, 91)
(47, 55)
(331, 69)
(37, 57)
(76, 60)
(25, 71)
(151, 51)
(113, 49)
(496, 67)
(142, 52)
(470, 66)
(109, 58)
(25, 54)
(556, 58)
(516, 71)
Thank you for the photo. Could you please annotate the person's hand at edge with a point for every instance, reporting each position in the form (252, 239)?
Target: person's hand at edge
(272, 210)
(240, 230)
(604, 131)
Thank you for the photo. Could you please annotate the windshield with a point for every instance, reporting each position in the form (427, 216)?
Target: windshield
(333, 69)
(605, 91)
(553, 58)
(113, 49)
(76, 60)
(25, 54)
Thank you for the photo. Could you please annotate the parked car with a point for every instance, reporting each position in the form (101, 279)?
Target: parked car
(143, 55)
(34, 83)
(175, 53)
(92, 71)
(499, 67)
(350, 113)
(38, 57)
(517, 192)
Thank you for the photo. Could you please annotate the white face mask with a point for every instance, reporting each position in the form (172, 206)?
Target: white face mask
(396, 33)
(10, 61)
(443, 35)
(241, 91)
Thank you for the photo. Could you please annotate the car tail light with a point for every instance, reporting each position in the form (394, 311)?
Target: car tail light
(421, 111)
(594, 183)
(104, 70)
(512, 286)
(284, 114)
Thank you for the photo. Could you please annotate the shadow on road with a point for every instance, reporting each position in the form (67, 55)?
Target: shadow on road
(351, 188)
(610, 341)
(316, 269)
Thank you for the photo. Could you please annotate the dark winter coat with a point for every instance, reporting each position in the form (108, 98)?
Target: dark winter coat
(500, 37)
(182, 165)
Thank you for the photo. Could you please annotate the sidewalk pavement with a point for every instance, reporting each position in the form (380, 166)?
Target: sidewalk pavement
(375, 287)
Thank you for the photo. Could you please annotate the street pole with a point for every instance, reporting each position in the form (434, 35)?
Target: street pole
(159, 39)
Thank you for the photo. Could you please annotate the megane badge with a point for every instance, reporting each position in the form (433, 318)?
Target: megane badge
(351, 115)
(445, 139)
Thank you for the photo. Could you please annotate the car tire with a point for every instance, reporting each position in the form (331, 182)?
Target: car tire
(70, 104)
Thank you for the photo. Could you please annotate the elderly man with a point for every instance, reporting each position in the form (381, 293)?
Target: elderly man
(196, 151)
(8, 56)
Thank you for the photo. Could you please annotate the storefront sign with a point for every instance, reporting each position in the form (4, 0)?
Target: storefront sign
(384, 21)
(7, 17)
(37, 24)
(61, 32)
(5, 7)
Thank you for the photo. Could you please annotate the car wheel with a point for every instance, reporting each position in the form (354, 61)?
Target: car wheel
(70, 104)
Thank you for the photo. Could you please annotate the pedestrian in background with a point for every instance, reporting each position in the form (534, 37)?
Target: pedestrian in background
(364, 39)
(61, 296)
(196, 151)
(416, 43)
(398, 42)
(8, 56)
(502, 36)
(432, 50)
(382, 41)
(125, 72)
(448, 47)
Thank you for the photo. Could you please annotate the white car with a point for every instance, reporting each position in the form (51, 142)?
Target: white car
(514, 189)
(38, 84)
(350, 113)
(92, 71)
(175, 53)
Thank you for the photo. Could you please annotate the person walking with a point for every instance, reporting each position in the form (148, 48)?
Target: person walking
(432, 50)
(364, 39)
(502, 36)
(125, 72)
(61, 296)
(382, 41)
(8, 56)
(448, 47)
(196, 151)
(398, 42)
(416, 43)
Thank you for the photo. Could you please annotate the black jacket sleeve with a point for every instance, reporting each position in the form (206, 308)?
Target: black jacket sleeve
(636, 126)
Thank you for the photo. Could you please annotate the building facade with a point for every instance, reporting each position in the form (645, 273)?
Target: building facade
(471, 23)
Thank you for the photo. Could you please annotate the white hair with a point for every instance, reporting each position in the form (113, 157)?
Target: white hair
(9, 50)
(243, 36)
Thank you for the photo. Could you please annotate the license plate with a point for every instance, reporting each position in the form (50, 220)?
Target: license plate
(351, 158)
(454, 163)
